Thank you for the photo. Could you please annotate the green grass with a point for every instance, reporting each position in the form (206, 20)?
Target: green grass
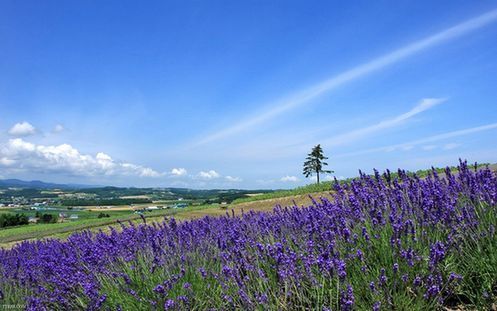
(42, 230)
(82, 214)
(61, 230)
(308, 189)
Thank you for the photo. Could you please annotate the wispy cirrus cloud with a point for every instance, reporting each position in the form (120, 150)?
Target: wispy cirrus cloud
(356, 134)
(428, 147)
(450, 146)
(306, 95)
(422, 141)
(294, 146)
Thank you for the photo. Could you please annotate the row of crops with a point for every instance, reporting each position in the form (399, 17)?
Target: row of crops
(383, 242)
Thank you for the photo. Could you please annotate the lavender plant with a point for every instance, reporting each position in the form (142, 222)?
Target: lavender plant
(380, 243)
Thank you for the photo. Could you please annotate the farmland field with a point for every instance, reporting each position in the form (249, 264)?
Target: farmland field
(400, 243)
(88, 220)
(10, 236)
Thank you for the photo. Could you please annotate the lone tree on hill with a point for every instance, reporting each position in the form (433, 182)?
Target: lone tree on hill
(314, 163)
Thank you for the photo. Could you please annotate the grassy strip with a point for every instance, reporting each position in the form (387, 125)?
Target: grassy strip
(43, 230)
(308, 189)
(64, 229)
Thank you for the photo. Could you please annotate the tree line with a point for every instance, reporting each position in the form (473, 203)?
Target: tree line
(10, 220)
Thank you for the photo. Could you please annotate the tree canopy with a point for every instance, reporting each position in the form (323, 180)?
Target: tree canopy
(314, 163)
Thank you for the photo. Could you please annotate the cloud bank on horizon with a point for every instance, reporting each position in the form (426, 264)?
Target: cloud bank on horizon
(18, 154)
(244, 109)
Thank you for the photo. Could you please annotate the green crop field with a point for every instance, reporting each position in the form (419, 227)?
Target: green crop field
(89, 220)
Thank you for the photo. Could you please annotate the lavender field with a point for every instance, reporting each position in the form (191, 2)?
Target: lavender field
(381, 243)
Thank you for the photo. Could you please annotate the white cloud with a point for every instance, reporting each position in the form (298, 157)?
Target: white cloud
(209, 174)
(289, 179)
(58, 128)
(6, 161)
(330, 178)
(233, 179)
(178, 171)
(22, 155)
(203, 176)
(22, 129)
(306, 95)
(407, 148)
(428, 147)
(451, 146)
(325, 177)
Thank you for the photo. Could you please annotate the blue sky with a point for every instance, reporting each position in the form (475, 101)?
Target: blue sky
(232, 94)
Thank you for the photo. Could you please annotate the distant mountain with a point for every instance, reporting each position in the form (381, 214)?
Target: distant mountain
(184, 192)
(38, 184)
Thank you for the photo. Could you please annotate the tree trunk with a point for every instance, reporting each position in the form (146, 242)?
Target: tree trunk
(317, 173)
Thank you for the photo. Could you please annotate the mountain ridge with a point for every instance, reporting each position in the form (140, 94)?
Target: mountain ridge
(38, 184)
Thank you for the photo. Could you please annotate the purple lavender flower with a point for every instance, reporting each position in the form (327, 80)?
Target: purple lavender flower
(187, 285)
(395, 267)
(360, 255)
(417, 281)
(169, 304)
(203, 273)
(160, 289)
(341, 269)
(383, 279)
(262, 298)
(347, 298)
(437, 253)
(432, 291)
(100, 302)
(454, 277)
(372, 286)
